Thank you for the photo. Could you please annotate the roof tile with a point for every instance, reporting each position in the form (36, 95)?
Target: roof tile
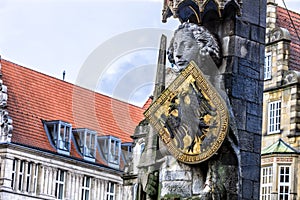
(284, 21)
(33, 96)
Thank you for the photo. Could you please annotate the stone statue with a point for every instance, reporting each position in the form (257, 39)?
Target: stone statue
(192, 42)
(217, 177)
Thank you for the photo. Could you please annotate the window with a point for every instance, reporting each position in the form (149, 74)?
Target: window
(268, 66)
(34, 178)
(126, 151)
(86, 141)
(28, 176)
(266, 182)
(59, 133)
(110, 194)
(31, 177)
(21, 175)
(284, 182)
(13, 175)
(110, 148)
(85, 187)
(274, 113)
(60, 184)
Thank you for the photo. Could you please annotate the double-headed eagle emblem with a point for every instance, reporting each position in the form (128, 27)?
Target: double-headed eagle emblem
(190, 117)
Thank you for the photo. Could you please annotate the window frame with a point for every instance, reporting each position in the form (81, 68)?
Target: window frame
(267, 174)
(34, 178)
(58, 183)
(86, 141)
(14, 174)
(28, 176)
(110, 148)
(61, 140)
(110, 195)
(21, 175)
(274, 117)
(86, 188)
(284, 184)
(268, 66)
(126, 149)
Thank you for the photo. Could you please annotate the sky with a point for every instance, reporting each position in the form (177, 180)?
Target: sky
(109, 46)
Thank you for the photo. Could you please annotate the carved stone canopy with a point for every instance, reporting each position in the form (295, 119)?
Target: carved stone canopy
(278, 34)
(291, 77)
(193, 10)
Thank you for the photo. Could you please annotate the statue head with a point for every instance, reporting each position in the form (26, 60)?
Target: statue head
(193, 42)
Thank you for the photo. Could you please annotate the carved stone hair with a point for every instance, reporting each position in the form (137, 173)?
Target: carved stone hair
(203, 37)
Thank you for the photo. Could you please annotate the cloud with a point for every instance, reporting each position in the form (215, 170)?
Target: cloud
(131, 77)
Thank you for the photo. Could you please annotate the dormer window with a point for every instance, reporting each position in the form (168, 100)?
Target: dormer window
(86, 142)
(110, 148)
(126, 151)
(59, 133)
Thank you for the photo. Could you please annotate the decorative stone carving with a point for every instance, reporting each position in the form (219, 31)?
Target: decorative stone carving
(291, 77)
(191, 10)
(5, 120)
(280, 34)
(3, 95)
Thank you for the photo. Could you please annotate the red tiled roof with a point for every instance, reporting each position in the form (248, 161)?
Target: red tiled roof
(147, 103)
(284, 21)
(33, 96)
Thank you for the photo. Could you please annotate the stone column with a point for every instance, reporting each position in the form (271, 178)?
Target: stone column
(101, 192)
(53, 184)
(245, 64)
(69, 185)
(46, 181)
(34, 178)
(104, 189)
(41, 180)
(77, 186)
(72, 185)
(18, 164)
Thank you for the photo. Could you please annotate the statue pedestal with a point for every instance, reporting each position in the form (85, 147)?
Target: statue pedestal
(179, 180)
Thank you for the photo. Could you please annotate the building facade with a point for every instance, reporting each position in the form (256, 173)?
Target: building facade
(61, 141)
(281, 106)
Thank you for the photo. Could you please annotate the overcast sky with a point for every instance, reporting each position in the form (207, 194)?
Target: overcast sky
(87, 39)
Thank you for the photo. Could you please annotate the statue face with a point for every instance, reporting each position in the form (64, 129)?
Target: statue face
(186, 49)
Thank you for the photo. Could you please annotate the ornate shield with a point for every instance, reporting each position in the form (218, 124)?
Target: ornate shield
(190, 117)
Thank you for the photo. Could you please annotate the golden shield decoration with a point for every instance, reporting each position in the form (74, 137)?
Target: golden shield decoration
(190, 117)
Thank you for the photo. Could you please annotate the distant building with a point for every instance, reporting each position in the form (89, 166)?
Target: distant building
(281, 108)
(61, 141)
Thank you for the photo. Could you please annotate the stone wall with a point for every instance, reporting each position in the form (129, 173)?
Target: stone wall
(244, 67)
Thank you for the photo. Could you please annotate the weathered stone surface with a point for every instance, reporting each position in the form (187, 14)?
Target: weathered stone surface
(176, 175)
(249, 159)
(242, 28)
(240, 111)
(254, 109)
(247, 189)
(247, 71)
(182, 188)
(251, 11)
(254, 123)
(247, 141)
(198, 182)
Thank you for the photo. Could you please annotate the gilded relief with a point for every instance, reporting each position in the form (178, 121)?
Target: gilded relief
(190, 117)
